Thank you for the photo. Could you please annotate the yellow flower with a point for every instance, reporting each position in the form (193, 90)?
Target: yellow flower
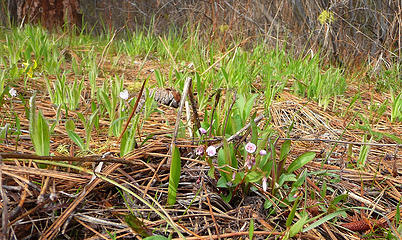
(29, 68)
(326, 17)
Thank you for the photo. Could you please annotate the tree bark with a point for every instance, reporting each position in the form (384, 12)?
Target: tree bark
(50, 13)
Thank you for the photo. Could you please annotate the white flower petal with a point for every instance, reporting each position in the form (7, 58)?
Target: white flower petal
(124, 94)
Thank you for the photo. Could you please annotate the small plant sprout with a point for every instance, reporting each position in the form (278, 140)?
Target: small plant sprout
(12, 92)
(250, 147)
(211, 151)
(124, 94)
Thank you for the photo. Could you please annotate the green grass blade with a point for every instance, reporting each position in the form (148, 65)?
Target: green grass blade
(323, 220)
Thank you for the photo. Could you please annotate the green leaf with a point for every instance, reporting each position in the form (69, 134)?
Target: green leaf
(267, 204)
(323, 190)
(222, 183)
(364, 151)
(136, 225)
(174, 176)
(211, 172)
(70, 126)
(286, 177)
(298, 226)
(42, 146)
(339, 198)
(254, 130)
(227, 198)
(301, 161)
(157, 237)
(251, 230)
(323, 220)
(292, 213)
(300, 179)
(38, 129)
(253, 176)
(285, 149)
(57, 119)
(76, 139)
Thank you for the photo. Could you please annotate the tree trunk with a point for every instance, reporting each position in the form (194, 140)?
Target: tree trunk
(50, 13)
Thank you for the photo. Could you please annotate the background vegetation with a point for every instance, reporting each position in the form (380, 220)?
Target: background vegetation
(291, 130)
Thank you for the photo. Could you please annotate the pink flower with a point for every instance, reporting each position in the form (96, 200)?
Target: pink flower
(202, 130)
(200, 150)
(233, 176)
(211, 151)
(250, 147)
(263, 152)
(264, 184)
(250, 161)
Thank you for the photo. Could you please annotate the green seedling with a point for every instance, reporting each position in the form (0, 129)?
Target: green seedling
(38, 129)
(364, 151)
(396, 107)
(88, 126)
(128, 142)
(174, 175)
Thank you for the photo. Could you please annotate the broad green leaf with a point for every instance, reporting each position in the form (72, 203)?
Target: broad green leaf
(267, 204)
(300, 180)
(286, 177)
(298, 226)
(222, 183)
(254, 130)
(253, 176)
(174, 176)
(42, 146)
(76, 139)
(263, 161)
(227, 155)
(224, 158)
(251, 230)
(301, 161)
(339, 198)
(82, 118)
(211, 172)
(136, 225)
(285, 149)
(70, 126)
(38, 129)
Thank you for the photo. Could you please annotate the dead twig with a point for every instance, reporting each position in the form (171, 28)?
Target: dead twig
(133, 110)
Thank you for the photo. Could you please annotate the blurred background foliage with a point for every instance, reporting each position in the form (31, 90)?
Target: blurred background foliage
(346, 31)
